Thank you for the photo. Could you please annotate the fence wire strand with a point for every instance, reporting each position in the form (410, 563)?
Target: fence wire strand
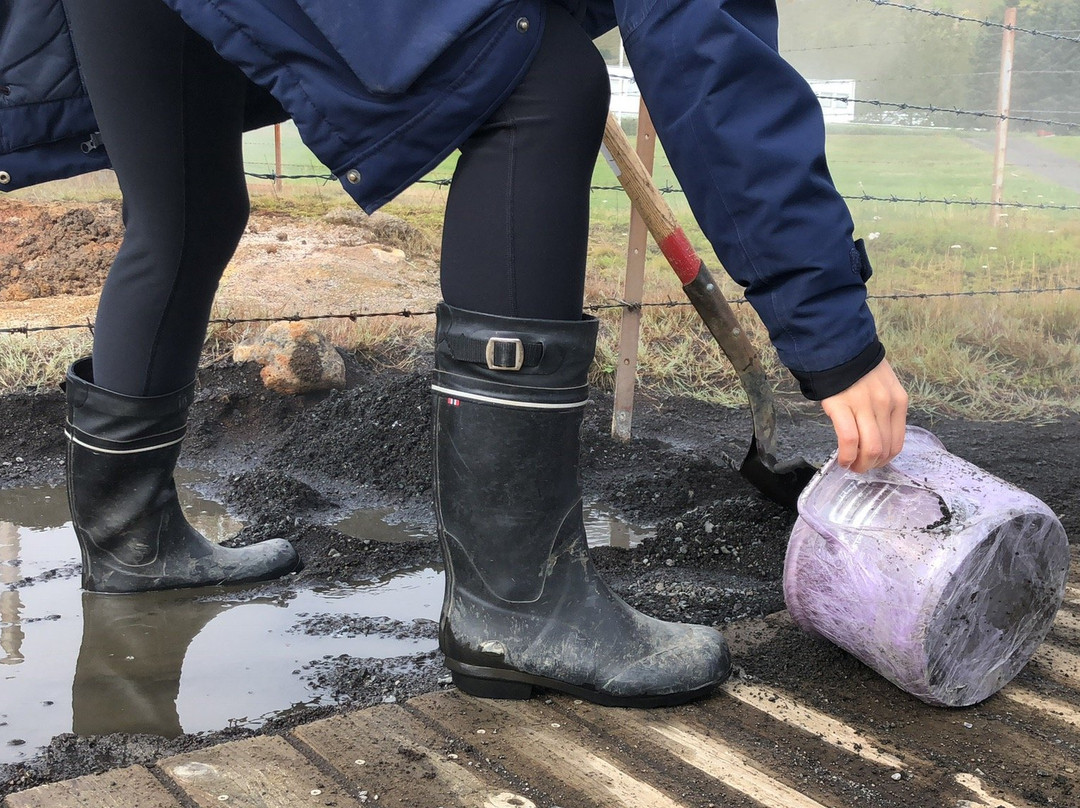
(984, 22)
(26, 330)
(671, 189)
(874, 102)
(921, 200)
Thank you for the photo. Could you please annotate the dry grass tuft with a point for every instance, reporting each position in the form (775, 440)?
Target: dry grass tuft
(40, 360)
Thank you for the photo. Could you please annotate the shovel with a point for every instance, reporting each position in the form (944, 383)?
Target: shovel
(781, 480)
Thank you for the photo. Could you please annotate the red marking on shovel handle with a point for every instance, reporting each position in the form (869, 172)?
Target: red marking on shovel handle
(681, 255)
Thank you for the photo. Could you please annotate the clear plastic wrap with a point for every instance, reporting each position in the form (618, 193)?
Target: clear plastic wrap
(939, 576)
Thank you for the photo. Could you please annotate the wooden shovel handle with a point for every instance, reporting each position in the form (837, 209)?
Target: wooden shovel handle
(698, 283)
(780, 481)
(655, 212)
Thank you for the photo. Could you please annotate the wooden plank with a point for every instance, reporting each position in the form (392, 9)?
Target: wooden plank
(1058, 664)
(727, 764)
(133, 787)
(1066, 628)
(261, 772)
(983, 799)
(539, 743)
(384, 750)
(1017, 746)
(734, 746)
(923, 779)
(1011, 734)
(1044, 705)
(783, 707)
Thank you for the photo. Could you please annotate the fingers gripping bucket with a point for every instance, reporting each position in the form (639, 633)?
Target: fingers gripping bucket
(939, 576)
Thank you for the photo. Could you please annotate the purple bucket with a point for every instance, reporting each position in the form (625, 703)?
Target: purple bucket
(939, 576)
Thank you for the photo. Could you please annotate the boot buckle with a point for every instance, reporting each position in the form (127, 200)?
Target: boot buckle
(505, 353)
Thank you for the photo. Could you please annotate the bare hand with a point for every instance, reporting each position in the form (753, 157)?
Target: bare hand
(869, 419)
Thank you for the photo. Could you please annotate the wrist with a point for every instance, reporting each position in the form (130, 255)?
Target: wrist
(818, 385)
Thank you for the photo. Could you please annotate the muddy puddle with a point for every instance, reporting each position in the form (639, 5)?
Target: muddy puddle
(603, 528)
(190, 662)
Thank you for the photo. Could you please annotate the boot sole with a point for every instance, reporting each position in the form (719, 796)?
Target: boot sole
(500, 683)
(133, 590)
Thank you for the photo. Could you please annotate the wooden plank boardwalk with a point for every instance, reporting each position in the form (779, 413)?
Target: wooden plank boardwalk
(750, 745)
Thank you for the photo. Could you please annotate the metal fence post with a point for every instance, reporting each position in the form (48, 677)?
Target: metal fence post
(633, 287)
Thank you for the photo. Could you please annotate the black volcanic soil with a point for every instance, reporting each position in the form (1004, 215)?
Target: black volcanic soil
(286, 464)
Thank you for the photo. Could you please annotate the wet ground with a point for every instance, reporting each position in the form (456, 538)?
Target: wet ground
(99, 664)
(89, 683)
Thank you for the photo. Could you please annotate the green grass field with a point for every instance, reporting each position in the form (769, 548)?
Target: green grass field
(910, 163)
(932, 164)
(1068, 146)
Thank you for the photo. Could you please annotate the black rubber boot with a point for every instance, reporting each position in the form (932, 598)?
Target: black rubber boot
(524, 604)
(122, 451)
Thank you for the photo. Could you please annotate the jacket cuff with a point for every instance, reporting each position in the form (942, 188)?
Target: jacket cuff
(818, 385)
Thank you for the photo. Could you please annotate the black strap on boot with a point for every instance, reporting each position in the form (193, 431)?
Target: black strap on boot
(122, 452)
(541, 364)
(524, 605)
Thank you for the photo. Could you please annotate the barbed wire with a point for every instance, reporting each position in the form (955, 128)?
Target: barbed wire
(1049, 111)
(874, 102)
(968, 202)
(671, 189)
(912, 76)
(229, 322)
(919, 200)
(974, 293)
(984, 22)
(848, 45)
(274, 176)
(353, 316)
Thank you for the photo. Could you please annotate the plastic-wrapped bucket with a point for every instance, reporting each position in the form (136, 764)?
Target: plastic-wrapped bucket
(939, 576)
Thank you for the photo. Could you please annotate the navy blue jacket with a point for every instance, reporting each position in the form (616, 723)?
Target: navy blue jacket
(743, 131)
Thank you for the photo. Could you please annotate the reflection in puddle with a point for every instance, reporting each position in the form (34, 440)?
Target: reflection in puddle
(11, 633)
(205, 515)
(186, 661)
(603, 528)
(372, 524)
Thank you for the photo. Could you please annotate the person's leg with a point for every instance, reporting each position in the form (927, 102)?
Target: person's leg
(170, 112)
(524, 605)
(517, 216)
(171, 116)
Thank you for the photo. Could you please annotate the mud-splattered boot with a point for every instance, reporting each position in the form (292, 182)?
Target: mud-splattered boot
(524, 604)
(122, 452)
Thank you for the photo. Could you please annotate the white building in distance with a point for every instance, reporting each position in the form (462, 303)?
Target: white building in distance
(834, 95)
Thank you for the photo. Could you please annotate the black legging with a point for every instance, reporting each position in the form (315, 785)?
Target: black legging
(170, 112)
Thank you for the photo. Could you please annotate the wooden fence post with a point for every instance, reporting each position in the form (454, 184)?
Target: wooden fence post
(630, 325)
(1008, 49)
(277, 157)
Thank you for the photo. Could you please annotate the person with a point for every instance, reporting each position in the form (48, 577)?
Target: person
(382, 93)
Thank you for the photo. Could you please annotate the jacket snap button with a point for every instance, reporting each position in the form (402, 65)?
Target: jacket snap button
(353, 176)
(523, 25)
(5, 178)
